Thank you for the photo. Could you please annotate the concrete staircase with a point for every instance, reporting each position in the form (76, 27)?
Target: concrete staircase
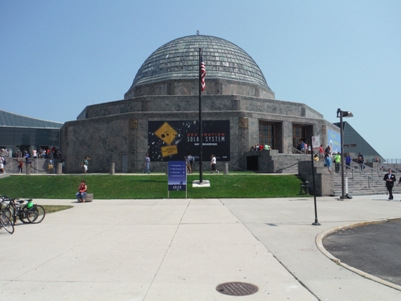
(367, 182)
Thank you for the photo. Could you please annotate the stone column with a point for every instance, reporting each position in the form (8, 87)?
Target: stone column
(59, 168)
(28, 169)
(226, 168)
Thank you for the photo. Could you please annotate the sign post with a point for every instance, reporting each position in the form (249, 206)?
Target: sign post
(315, 145)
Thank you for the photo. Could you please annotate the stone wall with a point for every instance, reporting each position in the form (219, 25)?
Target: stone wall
(191, 87)
(272, 161)
(324, 180)
(110, 131)
(190, 103)
(38, 166)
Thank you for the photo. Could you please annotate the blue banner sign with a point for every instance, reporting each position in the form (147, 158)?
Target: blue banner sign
(334, 140)
(177, 175)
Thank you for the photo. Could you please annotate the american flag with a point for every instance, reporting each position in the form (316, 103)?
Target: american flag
(202, 74)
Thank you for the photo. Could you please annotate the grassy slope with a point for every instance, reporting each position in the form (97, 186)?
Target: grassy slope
(150, 186)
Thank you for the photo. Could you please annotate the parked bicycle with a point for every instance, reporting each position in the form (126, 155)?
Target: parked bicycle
(28, 213)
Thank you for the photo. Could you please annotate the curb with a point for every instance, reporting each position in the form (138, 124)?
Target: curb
(324, 234)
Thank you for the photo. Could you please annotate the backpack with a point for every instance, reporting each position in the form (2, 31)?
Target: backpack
(4, 161)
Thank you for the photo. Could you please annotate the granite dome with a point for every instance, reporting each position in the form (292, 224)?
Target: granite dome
(179, 60)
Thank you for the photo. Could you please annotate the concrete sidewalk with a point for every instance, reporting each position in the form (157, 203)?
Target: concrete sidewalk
(183, 249)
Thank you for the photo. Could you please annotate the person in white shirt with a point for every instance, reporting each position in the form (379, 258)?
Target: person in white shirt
(2, 164)
(213, 162)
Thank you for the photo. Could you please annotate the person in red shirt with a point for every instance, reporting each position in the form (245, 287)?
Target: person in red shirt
(20, 163)
(321, 152)
(80, 195)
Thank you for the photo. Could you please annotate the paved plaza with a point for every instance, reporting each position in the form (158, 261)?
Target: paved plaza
(182, 249)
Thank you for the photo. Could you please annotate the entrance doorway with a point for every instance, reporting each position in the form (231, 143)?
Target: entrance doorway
(252, 163)
(301, 132)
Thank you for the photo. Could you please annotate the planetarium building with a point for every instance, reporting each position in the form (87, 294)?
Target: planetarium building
(159, 114)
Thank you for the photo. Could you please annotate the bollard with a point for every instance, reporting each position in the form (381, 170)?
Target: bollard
(112, 168)
(307, 187)
(59, 168)
(28, 169)
(226, 168)
(304, 188)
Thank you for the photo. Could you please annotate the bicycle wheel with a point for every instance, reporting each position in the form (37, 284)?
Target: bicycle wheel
(23, 215)
(36, 214)
(6, 223)
(7, 212)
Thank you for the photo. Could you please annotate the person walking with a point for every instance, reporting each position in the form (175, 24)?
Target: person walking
(361, 161)
(390, 179)
(147, 164)
(85, 163)
(327, 162)
(191, 160)
(348, 161)
(337, 161)
(20, 164)
(187, 166)
(213, 163)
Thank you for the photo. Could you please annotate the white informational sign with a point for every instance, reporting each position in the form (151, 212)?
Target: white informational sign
(315, 142)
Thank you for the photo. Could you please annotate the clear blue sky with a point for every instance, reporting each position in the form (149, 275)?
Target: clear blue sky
(56, 57)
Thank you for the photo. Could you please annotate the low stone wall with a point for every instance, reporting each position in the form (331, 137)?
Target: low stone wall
(271, 161)
(324, 181)
(38, 166)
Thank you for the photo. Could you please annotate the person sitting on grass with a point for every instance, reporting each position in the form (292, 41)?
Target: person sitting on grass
(80, 195)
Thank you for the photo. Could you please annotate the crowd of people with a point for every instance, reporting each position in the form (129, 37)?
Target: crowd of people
(260, 147)
(24, 157)
(335, 157)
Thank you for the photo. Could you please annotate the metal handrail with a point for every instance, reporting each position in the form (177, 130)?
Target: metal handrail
(296, 151)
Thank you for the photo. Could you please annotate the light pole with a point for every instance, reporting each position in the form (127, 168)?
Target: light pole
(341, 114)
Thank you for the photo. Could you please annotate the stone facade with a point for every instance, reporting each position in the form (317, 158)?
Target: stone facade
(119, 128)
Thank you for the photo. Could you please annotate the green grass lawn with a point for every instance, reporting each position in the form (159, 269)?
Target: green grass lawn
(55, 208)
(234, 185)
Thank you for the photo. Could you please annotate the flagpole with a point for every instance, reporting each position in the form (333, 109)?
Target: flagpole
(200, 120)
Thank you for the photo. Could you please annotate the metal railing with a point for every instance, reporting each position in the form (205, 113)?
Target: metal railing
(295, 151)
(393, 161)
(364, 169)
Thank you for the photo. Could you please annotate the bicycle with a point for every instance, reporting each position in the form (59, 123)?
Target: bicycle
(30, 213)
(13, 210)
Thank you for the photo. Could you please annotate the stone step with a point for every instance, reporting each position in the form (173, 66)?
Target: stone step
(363, 184)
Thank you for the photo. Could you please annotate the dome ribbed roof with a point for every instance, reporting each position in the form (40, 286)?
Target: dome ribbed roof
(179, 59)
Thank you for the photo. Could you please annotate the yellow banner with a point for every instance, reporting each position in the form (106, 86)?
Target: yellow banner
(169, 150)
(166, 133)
